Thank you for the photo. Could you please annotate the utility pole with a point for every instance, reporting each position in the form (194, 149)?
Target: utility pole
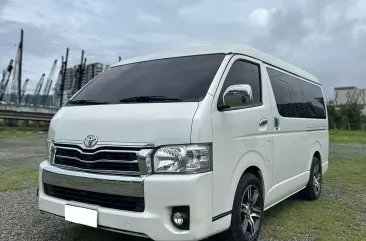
(49, 81)
(63, 77)
(20, 67)
(56, 93)
(81, 72)
(92, 71)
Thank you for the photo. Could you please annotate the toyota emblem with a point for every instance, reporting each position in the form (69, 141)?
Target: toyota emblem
(90, 141)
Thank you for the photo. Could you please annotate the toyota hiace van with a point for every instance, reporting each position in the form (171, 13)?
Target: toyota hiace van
(184, 145)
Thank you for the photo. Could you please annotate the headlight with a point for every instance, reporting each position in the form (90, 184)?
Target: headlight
(50, 151)
(184, 158)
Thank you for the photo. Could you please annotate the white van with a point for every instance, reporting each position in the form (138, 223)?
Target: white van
(182, 146)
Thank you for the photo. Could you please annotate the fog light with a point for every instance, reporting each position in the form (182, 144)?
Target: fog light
(178, 219)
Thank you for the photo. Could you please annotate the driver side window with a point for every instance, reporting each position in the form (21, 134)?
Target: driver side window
(241, 73)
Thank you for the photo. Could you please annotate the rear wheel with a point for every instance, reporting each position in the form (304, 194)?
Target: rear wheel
(247, 213)
(313, 188)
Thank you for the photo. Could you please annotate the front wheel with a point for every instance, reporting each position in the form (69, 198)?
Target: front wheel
(247, 213)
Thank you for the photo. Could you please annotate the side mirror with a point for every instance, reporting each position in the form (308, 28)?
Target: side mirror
(238, 96)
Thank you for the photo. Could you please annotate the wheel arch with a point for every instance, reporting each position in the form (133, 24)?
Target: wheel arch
(316, 151)
(251, 162)
(256, 172)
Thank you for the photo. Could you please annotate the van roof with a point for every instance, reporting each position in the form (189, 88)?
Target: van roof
(226, 49)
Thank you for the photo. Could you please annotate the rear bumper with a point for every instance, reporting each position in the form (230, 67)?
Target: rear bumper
(161, 194)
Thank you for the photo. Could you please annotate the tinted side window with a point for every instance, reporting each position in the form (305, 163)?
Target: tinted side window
(281, 91)
(313, 105)
(242, 72)
(296, 98)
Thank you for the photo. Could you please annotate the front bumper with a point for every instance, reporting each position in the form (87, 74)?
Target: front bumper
(161, 194)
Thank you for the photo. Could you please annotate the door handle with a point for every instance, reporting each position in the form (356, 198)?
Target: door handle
(263, 122)
(276, 123)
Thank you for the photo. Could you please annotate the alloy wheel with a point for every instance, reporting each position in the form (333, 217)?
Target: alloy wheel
(251, 211)
(317, 178)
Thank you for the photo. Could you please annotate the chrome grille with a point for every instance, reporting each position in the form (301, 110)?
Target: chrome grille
(114, 160)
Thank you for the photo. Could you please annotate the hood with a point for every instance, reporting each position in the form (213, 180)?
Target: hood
(156, 123)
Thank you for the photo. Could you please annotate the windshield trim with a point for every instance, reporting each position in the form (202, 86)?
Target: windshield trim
(165, 57)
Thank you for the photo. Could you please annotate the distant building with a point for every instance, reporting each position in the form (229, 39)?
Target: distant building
(67, 85)
(91, 70)
(69, 78)
(345, 95)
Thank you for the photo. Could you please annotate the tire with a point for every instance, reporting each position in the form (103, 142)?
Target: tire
(243, 210)
(312, 190)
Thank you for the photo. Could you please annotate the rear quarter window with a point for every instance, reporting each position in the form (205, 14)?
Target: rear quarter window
(296, 98)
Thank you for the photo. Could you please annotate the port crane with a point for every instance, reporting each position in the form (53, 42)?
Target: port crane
(56, 89)
(24, 89)
(78, 76)
(5, 80)
(15, 90)
(47, 88)
(38, 88)
(14, 82)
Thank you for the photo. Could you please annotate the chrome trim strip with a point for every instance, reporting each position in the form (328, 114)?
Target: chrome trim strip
(97, 161)
(144, 159)
(116, 187)
(101, 171)
(92, 153)
(52, 168)
(114, 144)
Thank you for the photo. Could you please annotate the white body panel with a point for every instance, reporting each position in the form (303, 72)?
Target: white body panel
(240, 142)
(282, 155)
(160, 196)
(143, 123)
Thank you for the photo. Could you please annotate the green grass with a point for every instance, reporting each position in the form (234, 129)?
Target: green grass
(339, 214)
(19, 132)
(18, 178)
(347, 137)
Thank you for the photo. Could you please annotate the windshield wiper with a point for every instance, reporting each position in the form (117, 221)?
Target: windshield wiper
(147, 99)
(86, 102)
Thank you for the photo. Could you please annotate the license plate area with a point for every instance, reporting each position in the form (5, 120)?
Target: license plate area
(81, 215)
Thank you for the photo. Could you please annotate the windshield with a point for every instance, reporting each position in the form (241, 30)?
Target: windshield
(181, 79)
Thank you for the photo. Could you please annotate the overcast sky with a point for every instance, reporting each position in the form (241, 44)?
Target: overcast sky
(324, 37)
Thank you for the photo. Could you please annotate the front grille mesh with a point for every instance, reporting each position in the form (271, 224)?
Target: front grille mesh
(135, 204)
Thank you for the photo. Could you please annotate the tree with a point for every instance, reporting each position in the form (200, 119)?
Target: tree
(334, 117)
(353, 112)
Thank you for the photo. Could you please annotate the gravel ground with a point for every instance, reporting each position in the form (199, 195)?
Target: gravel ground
(21, 220)
(19, 209)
